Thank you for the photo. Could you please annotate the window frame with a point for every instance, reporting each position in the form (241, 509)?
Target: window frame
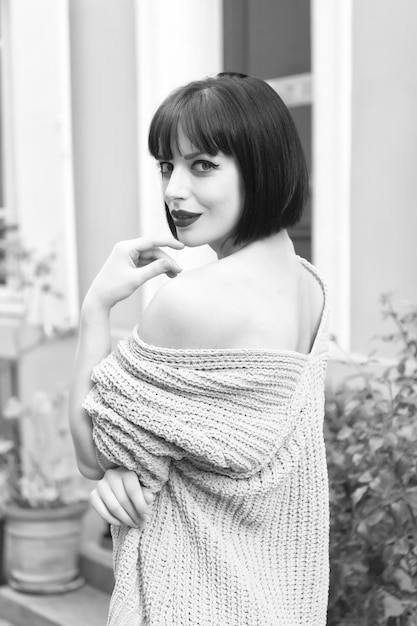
(17, 210)
(11, 303)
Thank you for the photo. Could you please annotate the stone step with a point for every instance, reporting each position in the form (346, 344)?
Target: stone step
(85, 606)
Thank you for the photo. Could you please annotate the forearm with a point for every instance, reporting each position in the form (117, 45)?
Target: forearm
(130, 264)
(94, 344)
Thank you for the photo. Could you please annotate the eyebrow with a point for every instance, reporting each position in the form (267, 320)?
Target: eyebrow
(191, 155)
(187, 157)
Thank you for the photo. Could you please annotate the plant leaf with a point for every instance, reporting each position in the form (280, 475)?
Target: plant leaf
(376, 517)
(411, 496)
(401, 546)
(399, 511)
(358, 494)
(391, 438)
(5, 446)
(404, 581)
(392, 606)
(366, 477)
(344, 433)
(363, 530)
(376, 442)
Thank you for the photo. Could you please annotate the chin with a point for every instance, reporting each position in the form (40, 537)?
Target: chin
(191, 240)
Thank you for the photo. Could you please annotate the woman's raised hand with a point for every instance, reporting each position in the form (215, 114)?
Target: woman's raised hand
(120, 499)
(130, 264)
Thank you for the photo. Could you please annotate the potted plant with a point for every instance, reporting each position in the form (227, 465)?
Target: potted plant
(46, 497)
(371, 438)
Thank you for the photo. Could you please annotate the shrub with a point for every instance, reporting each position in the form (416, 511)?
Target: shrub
(371, 438)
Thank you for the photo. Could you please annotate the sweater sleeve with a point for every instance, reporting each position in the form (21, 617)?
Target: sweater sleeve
(230, 418)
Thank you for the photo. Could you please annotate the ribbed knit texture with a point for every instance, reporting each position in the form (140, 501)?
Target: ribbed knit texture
(232, 443)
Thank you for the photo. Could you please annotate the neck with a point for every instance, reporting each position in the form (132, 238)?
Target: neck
(227, 248)
(280, 243)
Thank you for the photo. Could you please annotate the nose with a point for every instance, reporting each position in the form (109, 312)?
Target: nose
(177, 186)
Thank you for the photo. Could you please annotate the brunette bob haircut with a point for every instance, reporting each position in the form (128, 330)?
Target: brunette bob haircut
(245, 118)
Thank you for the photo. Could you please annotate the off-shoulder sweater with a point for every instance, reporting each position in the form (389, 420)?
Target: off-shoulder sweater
(231, 441)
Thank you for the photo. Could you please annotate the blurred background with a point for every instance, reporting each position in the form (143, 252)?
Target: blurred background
(80, 80)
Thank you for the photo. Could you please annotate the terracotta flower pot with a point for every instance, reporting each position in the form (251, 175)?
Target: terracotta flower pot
(42, 548)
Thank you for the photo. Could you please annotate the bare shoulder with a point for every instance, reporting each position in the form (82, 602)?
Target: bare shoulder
(238, 302)
(190, 311)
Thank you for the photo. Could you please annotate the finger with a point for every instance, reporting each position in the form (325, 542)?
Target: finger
(115, 507)
(152, 255)
(128, 491)
(100, 508)
(156, 268)
(169, 243)
(143, 243)
(135, 493)
(148, 495)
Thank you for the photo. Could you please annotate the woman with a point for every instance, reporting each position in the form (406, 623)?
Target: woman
(204, 428)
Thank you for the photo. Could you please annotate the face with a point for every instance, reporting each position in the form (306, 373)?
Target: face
(204, 195)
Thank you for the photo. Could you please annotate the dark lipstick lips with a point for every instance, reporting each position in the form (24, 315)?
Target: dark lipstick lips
(184, 218)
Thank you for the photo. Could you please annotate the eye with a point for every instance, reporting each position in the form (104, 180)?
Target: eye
(165, 168)
(203, 166)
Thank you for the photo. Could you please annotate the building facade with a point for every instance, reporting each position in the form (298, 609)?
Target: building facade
(80, 81)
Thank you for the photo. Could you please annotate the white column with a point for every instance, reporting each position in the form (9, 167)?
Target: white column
(176, 42)
(41, 136)
(331, 61)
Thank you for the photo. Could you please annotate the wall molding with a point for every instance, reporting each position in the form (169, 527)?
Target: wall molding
(7, 147)
(295, 90)
(197, 52)
(332, 110)
(38, 160)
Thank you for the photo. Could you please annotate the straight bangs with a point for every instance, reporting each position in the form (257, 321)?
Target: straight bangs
(199, 116)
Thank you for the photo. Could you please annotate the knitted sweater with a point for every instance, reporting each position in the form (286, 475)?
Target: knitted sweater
(231, 440)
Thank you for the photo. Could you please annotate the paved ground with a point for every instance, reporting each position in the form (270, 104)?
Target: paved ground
(84, 607)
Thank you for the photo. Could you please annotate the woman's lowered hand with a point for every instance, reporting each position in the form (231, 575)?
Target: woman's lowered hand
(120, 499)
